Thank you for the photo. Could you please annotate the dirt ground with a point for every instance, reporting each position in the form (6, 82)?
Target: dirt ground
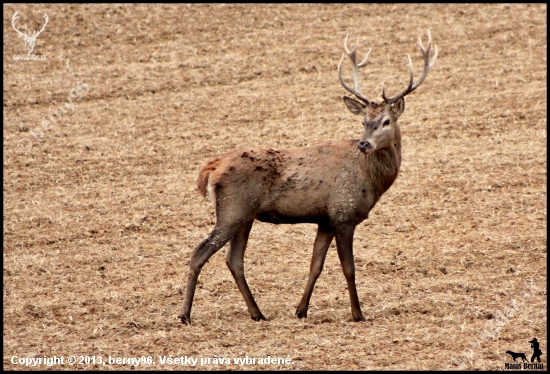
(101, 211)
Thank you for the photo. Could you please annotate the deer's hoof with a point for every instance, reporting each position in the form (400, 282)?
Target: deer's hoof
(260, 317)
(300, 314)
(359, 319)
(186, 320)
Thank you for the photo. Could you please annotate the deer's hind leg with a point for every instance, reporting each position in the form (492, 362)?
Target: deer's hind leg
(235, 263)
(231, 222)
(216, 240)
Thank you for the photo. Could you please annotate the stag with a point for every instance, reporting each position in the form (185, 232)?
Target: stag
(333, 184)
(30, 41)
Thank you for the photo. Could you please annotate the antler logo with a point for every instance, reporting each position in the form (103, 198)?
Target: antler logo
(30, 41)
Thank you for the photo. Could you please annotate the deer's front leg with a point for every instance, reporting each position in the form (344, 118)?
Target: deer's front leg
(320, 248)
(344, 244)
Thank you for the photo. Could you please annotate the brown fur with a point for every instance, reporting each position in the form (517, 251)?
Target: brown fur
(301, 184)
(202, 180)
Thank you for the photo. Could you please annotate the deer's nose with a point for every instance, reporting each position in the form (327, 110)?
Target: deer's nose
(364, 145)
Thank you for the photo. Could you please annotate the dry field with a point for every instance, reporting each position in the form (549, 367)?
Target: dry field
(101, 213)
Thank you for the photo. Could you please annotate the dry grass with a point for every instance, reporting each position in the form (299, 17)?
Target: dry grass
(101, 215)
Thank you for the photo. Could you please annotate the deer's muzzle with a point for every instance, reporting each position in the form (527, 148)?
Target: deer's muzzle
(365, 146)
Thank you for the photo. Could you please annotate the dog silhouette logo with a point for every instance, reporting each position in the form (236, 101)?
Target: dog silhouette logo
(517, 355)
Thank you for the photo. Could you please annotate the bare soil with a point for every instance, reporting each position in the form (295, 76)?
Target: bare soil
(101, 213)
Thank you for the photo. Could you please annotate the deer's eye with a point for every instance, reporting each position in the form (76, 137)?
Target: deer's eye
(386, 122)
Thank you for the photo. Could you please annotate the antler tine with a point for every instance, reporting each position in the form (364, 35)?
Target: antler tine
(411, 79)
(13, 20)
(44, 25)
(427, 66)
(349, 53)
(356, 90)
(426, 52)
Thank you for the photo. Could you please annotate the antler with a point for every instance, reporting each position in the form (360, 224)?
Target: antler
(427, 66)
(43, 26)
(13, 20)
(24, 34)
(356, 90)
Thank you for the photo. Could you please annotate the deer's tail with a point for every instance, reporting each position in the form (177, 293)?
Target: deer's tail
(204, 175)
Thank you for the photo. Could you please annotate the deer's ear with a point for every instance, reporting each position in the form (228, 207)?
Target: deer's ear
(355, 106)
(398, 107)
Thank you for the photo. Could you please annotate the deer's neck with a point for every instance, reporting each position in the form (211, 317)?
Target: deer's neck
(382, 168)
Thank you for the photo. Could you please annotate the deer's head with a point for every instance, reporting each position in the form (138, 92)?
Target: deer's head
(30, 41)
(380, 119)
